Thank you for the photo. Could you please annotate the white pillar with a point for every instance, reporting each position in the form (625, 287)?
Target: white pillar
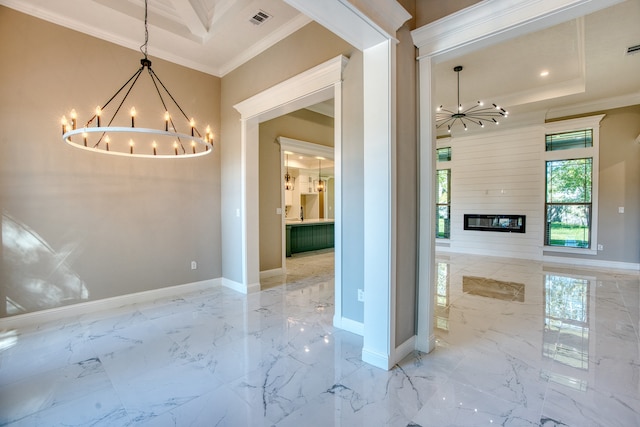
(379, 205)
(425, 340)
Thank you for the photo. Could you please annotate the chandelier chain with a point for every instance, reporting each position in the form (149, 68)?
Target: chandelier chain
(143, 47)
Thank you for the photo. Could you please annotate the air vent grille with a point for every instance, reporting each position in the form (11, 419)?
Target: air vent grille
(259, 18)
(633, 49)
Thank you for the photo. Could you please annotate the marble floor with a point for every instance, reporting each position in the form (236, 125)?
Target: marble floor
(519, 343)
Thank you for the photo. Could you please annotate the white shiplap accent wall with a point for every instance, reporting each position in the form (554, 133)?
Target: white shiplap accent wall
(498, 173)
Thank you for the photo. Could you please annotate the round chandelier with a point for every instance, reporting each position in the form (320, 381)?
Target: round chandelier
(104, 134)
(477, 114)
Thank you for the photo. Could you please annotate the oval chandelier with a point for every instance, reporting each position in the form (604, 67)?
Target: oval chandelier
(477, 114)
(166, 141)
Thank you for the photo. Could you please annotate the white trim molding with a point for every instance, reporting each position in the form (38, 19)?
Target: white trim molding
(490, 22)
(360, 28)
(594, 263)
(30, 320)
(315, 85)
(304, 84)
(349, 325)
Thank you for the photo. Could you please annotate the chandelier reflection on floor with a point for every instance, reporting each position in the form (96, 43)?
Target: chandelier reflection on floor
(139, 141)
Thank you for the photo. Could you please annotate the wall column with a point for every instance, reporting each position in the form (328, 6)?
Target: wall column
(379, 205)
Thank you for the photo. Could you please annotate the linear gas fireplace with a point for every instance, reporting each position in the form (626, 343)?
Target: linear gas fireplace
(501, 223)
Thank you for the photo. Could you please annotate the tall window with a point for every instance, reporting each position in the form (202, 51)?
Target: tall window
(443, 204)
(569, 192)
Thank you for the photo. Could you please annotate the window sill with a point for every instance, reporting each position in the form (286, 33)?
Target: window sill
(568, 250)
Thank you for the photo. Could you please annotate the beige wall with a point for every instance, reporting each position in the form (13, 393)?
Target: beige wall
(303, 50)
(428, 11)
(303, 125)
(84, 226)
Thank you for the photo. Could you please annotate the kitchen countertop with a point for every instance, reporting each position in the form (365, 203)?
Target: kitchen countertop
(309, 221)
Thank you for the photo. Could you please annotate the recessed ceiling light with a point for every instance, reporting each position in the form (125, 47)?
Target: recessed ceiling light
(544, 73)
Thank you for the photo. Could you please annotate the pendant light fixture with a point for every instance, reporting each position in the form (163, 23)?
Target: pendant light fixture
(107, 135)
(288, 181)
(477, 114)
(320, 186)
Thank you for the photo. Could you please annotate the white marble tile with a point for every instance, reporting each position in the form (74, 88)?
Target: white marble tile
(154, 392)
(54, 388)
(99, 408)
(220, 408)
(568, 354)
(455, 404)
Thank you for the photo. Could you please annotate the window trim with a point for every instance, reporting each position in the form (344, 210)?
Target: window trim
(571, 125)
(441, 239)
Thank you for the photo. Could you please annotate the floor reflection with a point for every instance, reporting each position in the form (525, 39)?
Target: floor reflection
(491, 288)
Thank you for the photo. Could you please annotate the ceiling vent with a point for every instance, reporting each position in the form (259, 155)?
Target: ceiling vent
(259, 18)
(633, 49)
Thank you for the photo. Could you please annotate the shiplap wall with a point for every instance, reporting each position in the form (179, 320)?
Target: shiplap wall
(498, 173)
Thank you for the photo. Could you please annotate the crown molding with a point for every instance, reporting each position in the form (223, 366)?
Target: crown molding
(492, 21)
(361, 29)
(282, 32)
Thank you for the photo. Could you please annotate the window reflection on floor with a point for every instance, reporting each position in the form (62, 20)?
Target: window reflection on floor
(566, 329)
(442, 296)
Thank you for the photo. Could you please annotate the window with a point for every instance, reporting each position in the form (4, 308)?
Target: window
(568, 140)
(443, 204)
(568, 203)
(571, 185)
(443, 154)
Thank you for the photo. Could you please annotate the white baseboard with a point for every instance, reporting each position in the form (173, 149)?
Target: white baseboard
(349, 325)
(405, 349)
(239, 287)
(382, 361)
(617, 265)
(270, 273)
(27, 320)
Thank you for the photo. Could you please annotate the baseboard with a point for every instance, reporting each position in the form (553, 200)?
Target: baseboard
(349, 325)
(270, 273)
(382, 361)
(616, 265)
(405, 349)
(27, 320)
(239, 287)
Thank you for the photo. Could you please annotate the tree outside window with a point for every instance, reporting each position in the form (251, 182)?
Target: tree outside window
(443, 204)
(568, 203)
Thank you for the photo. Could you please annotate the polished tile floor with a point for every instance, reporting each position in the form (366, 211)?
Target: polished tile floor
(519, 343)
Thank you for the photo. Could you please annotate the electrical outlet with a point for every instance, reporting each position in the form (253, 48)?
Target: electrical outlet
(601, 247)
(361, 295)
(194, 265)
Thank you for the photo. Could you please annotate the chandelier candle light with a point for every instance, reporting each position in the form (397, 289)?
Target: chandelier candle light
(288, 181)
(477, 114)
(320, 186)
(168, 138)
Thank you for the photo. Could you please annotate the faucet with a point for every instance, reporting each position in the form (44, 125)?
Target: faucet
(301, 214)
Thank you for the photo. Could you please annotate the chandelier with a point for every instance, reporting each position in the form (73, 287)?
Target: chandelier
(288, 181)
(320, 186)
(477, 114)
(105, 135)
